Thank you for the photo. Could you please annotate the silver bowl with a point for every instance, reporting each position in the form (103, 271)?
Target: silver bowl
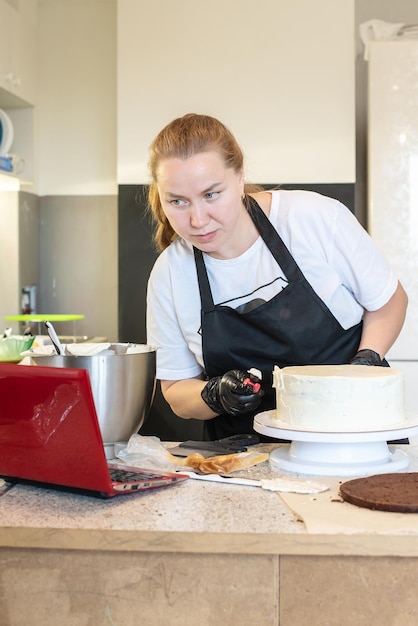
(123, 387)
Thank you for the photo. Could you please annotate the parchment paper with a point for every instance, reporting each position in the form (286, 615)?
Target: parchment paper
(327, 513)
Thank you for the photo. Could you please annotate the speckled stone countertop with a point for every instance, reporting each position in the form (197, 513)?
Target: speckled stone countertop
(194, 516)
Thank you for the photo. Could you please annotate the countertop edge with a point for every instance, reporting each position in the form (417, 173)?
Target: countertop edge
(210, 543)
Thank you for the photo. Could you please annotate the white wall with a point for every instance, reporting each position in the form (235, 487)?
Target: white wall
(77, 164)
(77, 97)
(280, 73)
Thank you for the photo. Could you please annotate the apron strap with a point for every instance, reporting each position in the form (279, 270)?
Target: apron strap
(273, 240)
(203, 279)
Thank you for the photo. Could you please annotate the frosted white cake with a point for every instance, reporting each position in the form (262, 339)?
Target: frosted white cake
(339, 398)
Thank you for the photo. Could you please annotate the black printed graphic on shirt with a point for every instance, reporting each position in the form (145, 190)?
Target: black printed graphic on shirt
(257, 297)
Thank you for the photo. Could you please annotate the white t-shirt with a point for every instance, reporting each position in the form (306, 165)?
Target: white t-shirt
(333, 251)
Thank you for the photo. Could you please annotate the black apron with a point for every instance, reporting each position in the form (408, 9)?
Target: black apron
(293, 328)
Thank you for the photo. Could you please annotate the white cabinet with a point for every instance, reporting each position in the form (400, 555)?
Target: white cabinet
(18, 57)
(24, 141)
(5, 43)
(19, 79)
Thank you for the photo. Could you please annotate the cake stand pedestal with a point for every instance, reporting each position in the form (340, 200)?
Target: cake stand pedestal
(335, 453)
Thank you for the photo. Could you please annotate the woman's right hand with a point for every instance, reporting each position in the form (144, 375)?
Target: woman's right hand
(234, 393)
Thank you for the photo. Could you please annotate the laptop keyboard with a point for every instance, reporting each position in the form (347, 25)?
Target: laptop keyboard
(125, 476)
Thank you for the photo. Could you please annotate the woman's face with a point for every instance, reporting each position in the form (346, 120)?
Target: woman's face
(202, 200)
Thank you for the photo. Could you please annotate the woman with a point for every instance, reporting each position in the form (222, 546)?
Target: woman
(251, 279)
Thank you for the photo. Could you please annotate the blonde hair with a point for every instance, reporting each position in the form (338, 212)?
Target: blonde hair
(181, 139)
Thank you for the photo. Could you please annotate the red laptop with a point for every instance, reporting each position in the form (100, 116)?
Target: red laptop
(50, 435)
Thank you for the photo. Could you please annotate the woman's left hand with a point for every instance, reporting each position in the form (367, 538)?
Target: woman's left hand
(367, 357)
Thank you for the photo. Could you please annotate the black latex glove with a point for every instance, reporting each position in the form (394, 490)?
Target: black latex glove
(366, 357)
(235, 392)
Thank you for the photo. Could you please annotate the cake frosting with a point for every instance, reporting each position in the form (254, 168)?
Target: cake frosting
(339, 398)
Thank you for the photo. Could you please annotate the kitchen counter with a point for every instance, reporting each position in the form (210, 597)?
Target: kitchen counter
(240, 552)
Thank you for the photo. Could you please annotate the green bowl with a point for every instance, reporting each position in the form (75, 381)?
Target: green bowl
(12, 347)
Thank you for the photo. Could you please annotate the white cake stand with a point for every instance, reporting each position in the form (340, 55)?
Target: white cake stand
(336, 453)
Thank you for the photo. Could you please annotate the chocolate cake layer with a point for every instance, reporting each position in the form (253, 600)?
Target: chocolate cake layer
(384, 492)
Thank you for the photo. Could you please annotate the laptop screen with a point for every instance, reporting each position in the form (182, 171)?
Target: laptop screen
(49, 430)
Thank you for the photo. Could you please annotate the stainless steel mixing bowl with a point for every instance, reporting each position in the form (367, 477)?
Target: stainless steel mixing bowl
(123, 387)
